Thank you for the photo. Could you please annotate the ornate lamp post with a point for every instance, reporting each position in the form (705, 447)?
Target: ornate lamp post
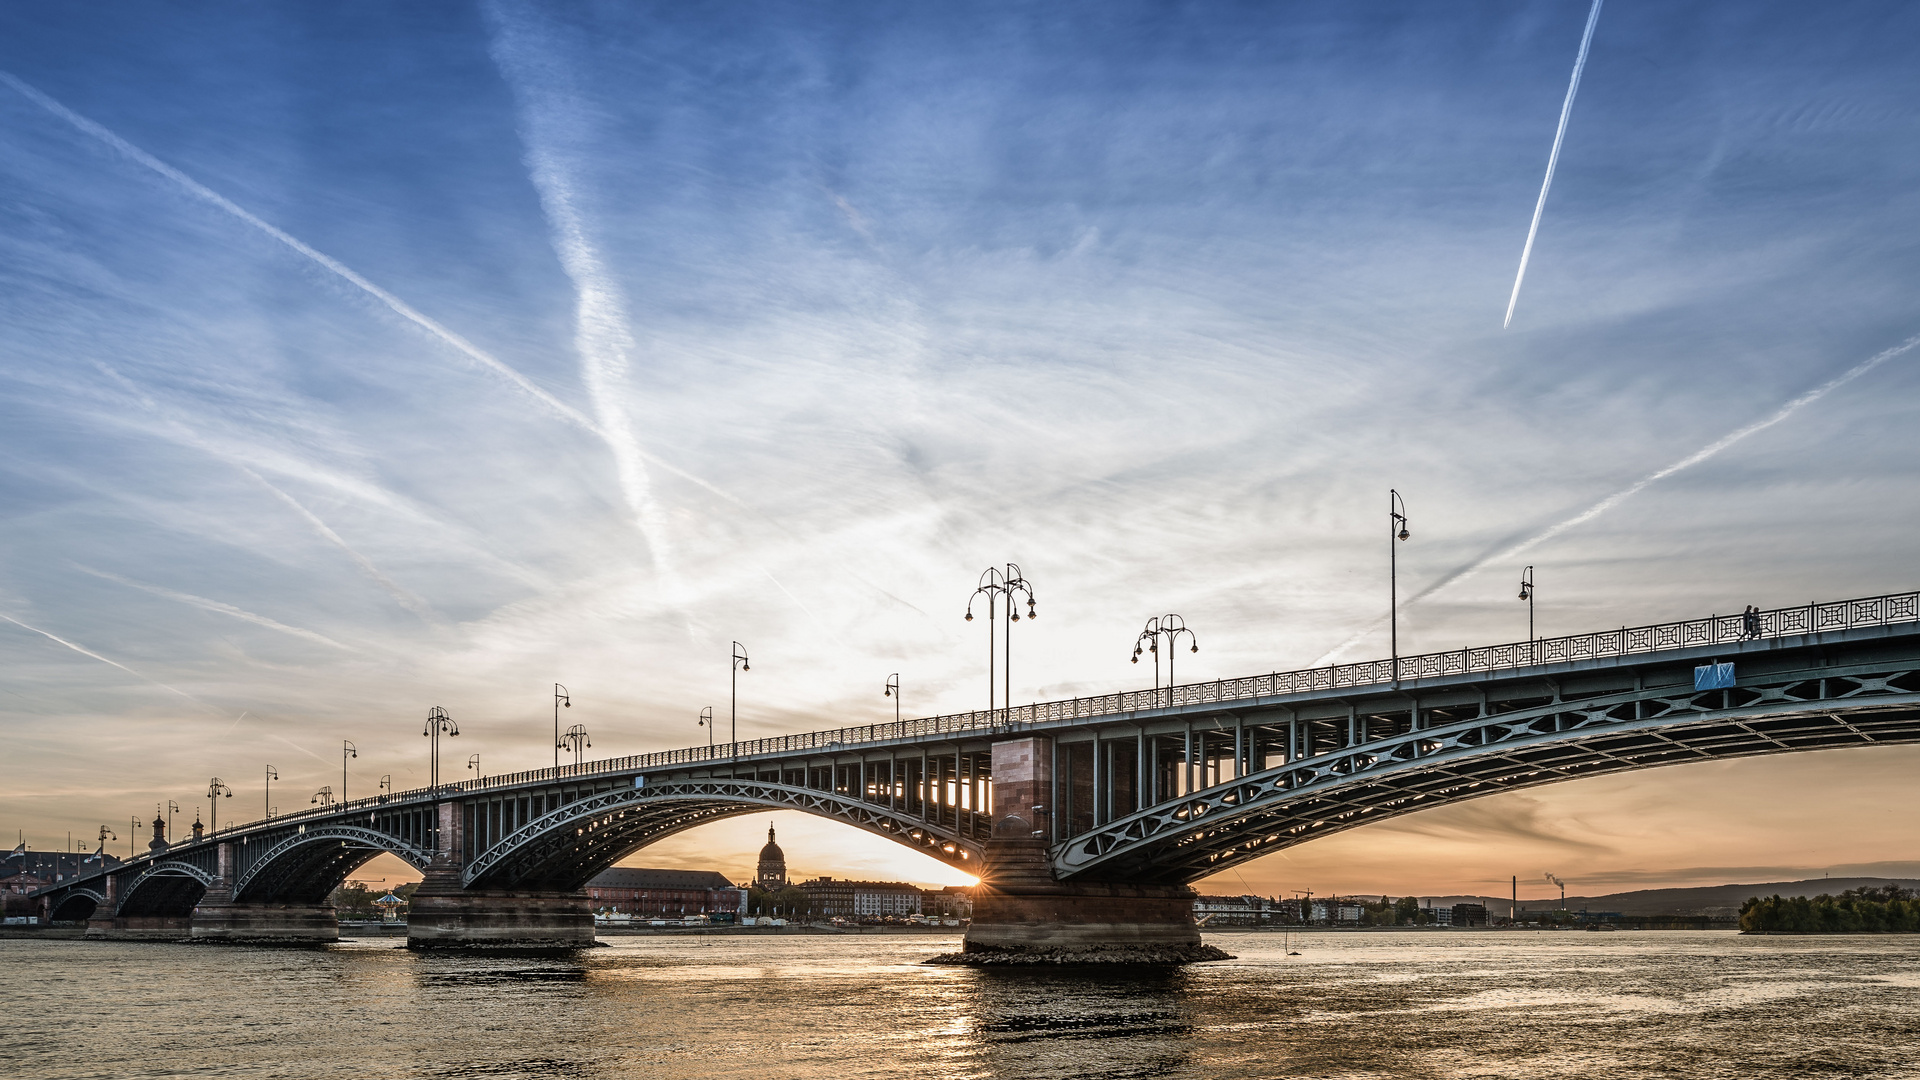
(272, 775)
(386, 783)
(473, 766)
(437, 722)
(216, 787)
(740, 664)
(996, 583)
(172, 809)
(133, 836)
(1526, 593)
(576, 741)
(561, 699)
(893, 691)
(323, 797)
(706, 721)
(347, 750)
(1169, 627)
(1396, 532)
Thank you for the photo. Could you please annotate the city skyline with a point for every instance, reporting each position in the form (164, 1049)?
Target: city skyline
(370, 361)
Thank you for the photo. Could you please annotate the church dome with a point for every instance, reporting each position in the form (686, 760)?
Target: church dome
(772, 871)
(772, 852)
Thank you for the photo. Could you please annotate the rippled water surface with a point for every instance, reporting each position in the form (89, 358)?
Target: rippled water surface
(1648, 1004)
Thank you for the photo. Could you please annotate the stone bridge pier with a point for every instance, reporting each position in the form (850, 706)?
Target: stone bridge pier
(1022, 915)
(445, 914)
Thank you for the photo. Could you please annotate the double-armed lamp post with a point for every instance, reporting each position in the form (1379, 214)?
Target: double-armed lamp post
(216, 787)
(996, 583)
(576, 742)
(438, 722)
(561, 699)
(272, 775)
(1168, 627)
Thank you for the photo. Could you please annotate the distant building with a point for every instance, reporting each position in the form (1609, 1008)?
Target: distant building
(771, 874)
(1468, 915)
(1237, 910)
(645, 892)
(52, 867)
(833, 898)
(952, 902)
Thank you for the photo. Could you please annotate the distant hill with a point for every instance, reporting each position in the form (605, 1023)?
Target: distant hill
(1706, 900)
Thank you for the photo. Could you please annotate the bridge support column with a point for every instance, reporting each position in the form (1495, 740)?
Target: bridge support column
(444, 914)
(218, 918)
(1021, 915)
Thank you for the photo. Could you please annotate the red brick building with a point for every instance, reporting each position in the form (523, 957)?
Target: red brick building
(646, 892)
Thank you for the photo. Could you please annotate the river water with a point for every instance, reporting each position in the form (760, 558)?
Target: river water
(1442, 1005)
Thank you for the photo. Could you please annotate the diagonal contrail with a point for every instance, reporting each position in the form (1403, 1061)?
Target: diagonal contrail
(397, 305)
(205, 604)
(83, 651)
(406, 598)
(1639, 485)
(1560, 133)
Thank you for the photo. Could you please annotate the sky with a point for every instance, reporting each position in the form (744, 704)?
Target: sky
(363, 358)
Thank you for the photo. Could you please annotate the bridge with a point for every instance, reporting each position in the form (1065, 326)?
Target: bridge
(1086, 819)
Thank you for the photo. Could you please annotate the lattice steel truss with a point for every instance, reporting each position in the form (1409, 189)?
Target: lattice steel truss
(1185, 839)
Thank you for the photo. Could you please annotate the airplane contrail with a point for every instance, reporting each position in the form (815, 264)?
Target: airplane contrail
(601, 336)
(1559, 134)
(394, 303)
(1512, 551)
(82, 650)
(205, 604)
(406, 598)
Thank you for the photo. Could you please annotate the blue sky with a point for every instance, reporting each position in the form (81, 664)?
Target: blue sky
(678, 324)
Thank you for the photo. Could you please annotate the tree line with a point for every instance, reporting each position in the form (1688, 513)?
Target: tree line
(1887, 909)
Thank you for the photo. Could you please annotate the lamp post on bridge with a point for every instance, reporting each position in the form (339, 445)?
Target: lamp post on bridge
(740, 664)
(386, 783)
(576, 741)
(323, 797)
(216, 787)
(1011, 584)
(473, 765)
(561, 698)
(438, 722)
(1169, 627)
(1526, 593)
(1396, 533)
(133, 836)
(172, 809)
(893, 691)
(706, 721)
(272, 775)
(347, 750)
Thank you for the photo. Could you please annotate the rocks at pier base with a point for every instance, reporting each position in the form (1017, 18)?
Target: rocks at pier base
(1162, 955)
(519, 921)
(1022, 916)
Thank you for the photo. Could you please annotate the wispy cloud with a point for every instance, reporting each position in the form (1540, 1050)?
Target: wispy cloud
(84, 651)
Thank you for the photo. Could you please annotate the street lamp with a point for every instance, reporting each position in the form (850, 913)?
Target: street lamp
(106, 834)
(893, 691)
(1527, 594)
(1009, 583)
(386, 783)
(437, 722)
(740, 664)
(347, 750)
(473, 764)
(133, 836)
(272, 775)
(1169, 627)
(576, 741)
(216, 788)
(706, 721)
(172, 809)
(1396, 532)
(323, 797)
(560, 698)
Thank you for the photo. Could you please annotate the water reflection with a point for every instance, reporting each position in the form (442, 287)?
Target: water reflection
(1377, 1005)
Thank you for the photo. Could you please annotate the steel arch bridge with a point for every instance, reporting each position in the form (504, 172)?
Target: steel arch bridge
(1147, 788)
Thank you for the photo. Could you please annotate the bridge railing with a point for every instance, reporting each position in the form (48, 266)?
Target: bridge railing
(1628, 640)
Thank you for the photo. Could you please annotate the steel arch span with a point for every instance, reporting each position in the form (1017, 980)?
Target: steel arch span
(306, 866)
(1213, 829)
(565, 848)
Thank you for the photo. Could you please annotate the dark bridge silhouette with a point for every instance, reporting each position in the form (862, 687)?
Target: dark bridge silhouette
(1086, 819)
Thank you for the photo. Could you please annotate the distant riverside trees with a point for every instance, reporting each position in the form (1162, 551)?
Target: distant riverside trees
(1888, 909)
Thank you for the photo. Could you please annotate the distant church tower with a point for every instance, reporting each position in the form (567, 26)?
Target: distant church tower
(772, 873)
